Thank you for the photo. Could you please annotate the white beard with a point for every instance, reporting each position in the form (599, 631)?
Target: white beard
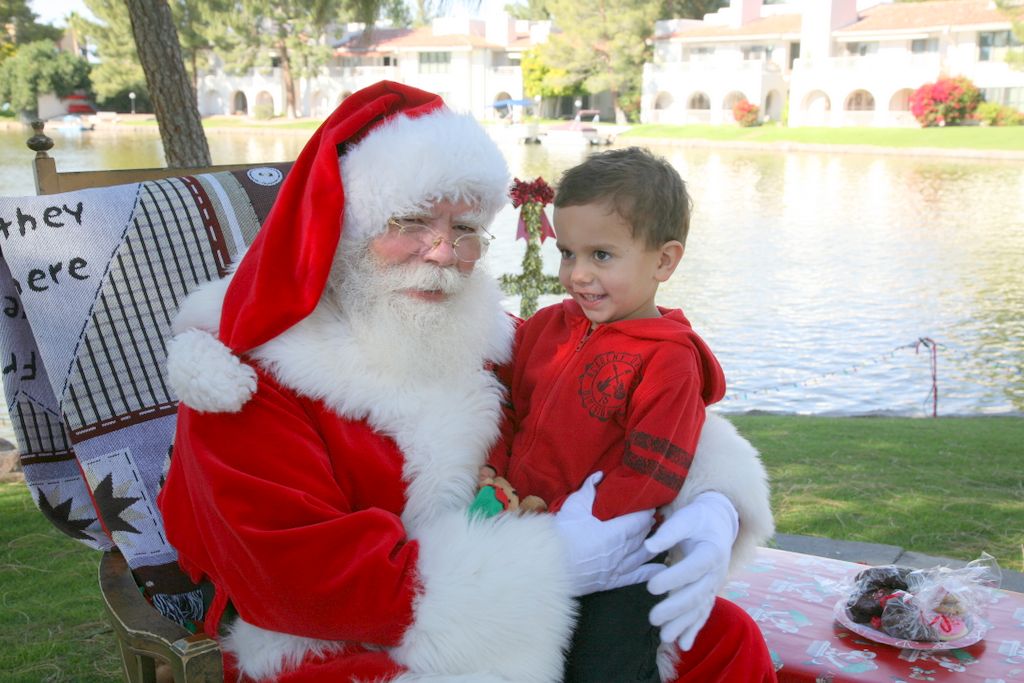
(403, 336)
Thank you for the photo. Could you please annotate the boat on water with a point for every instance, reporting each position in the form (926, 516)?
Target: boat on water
(582, 130)
(70, 123)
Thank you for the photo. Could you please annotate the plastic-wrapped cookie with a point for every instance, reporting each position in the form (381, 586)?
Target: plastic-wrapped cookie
(902, 618)
(863, 606)
(887, 576)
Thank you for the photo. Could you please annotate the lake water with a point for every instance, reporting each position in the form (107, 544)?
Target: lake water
(811, 275)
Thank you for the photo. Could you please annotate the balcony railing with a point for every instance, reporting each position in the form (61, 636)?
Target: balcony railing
(888, 62)
(375, 72)
(705, 66)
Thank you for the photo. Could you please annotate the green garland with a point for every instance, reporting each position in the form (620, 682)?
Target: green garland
(531, 283)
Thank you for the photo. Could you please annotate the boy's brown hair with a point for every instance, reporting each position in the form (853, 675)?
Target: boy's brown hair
(642, 188)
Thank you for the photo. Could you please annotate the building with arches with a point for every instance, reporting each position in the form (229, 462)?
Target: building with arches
(471, 62)
(826, 62)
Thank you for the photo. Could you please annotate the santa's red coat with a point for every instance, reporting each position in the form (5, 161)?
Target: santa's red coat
(331, 510)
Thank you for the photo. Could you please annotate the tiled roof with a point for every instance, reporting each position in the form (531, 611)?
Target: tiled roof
(773, 25)
(923, 15)
(899, 16)
(521, 42)
(391, 39)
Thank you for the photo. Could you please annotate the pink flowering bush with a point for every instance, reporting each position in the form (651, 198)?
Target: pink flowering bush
(746, 114)
(946, 102)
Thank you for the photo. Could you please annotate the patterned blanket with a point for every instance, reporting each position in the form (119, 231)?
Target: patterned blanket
(90, 282)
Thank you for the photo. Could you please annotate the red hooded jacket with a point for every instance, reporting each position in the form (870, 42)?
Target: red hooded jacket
(627, 398)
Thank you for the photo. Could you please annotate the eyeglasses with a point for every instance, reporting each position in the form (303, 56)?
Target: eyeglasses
(468, 246)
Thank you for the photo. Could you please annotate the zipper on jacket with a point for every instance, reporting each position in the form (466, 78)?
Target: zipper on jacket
(530, 440)
(584, 338)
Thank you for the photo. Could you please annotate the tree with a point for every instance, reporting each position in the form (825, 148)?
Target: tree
(118, 71)
(689, 9)
(540, 79)
(174, 101)
(287, 34)
(1015, 10)
(38, 68)
(536, 10)
(192, 18)
(428, 9)
(601, 46)
(24, 28)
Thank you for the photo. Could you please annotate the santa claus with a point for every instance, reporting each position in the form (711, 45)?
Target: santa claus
(337, 401)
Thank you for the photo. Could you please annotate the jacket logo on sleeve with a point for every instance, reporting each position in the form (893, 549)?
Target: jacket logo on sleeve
(607, 382)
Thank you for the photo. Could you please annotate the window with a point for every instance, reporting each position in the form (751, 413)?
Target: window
(700, 101)
(700, 54)
(861, 49)
(755, 52)
(354, 62)
(435, 62)
(921, 46)
(794, 54)
(1011, 97)
(860, 100)
(993, 45)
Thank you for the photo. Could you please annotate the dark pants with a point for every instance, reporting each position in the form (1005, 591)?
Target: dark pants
(613, 641)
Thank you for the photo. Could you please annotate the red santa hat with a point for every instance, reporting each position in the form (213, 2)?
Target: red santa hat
(387, 150)
(399, 149)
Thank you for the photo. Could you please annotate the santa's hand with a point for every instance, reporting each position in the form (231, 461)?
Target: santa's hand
(705, 530)
(603, 555)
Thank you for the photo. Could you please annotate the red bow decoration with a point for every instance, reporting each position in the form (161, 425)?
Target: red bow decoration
(536, 192)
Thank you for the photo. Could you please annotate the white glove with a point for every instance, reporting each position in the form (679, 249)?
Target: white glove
(603, 555)
(705, 530)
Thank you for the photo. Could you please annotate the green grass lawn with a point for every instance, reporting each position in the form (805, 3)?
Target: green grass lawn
(954, 137)
(951, 487)
(52, 625)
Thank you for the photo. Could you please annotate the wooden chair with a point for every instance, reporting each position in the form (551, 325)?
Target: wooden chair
(145, 639)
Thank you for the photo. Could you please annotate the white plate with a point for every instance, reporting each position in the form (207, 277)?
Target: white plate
(976, 633)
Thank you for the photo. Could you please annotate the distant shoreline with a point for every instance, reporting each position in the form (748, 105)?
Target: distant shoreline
(937, 152)
(306, 128)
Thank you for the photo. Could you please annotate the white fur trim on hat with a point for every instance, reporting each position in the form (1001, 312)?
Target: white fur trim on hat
(205, 375)
(405, 163)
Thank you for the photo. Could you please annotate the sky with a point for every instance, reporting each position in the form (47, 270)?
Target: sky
(54, 11)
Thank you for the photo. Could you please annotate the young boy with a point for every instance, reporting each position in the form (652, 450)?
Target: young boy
(608, 381)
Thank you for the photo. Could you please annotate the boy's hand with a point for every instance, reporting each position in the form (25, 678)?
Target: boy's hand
(486, 475)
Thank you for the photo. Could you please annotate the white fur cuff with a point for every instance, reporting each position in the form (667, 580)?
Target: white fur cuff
(495, 600)
(727, 463)
(206, 376)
